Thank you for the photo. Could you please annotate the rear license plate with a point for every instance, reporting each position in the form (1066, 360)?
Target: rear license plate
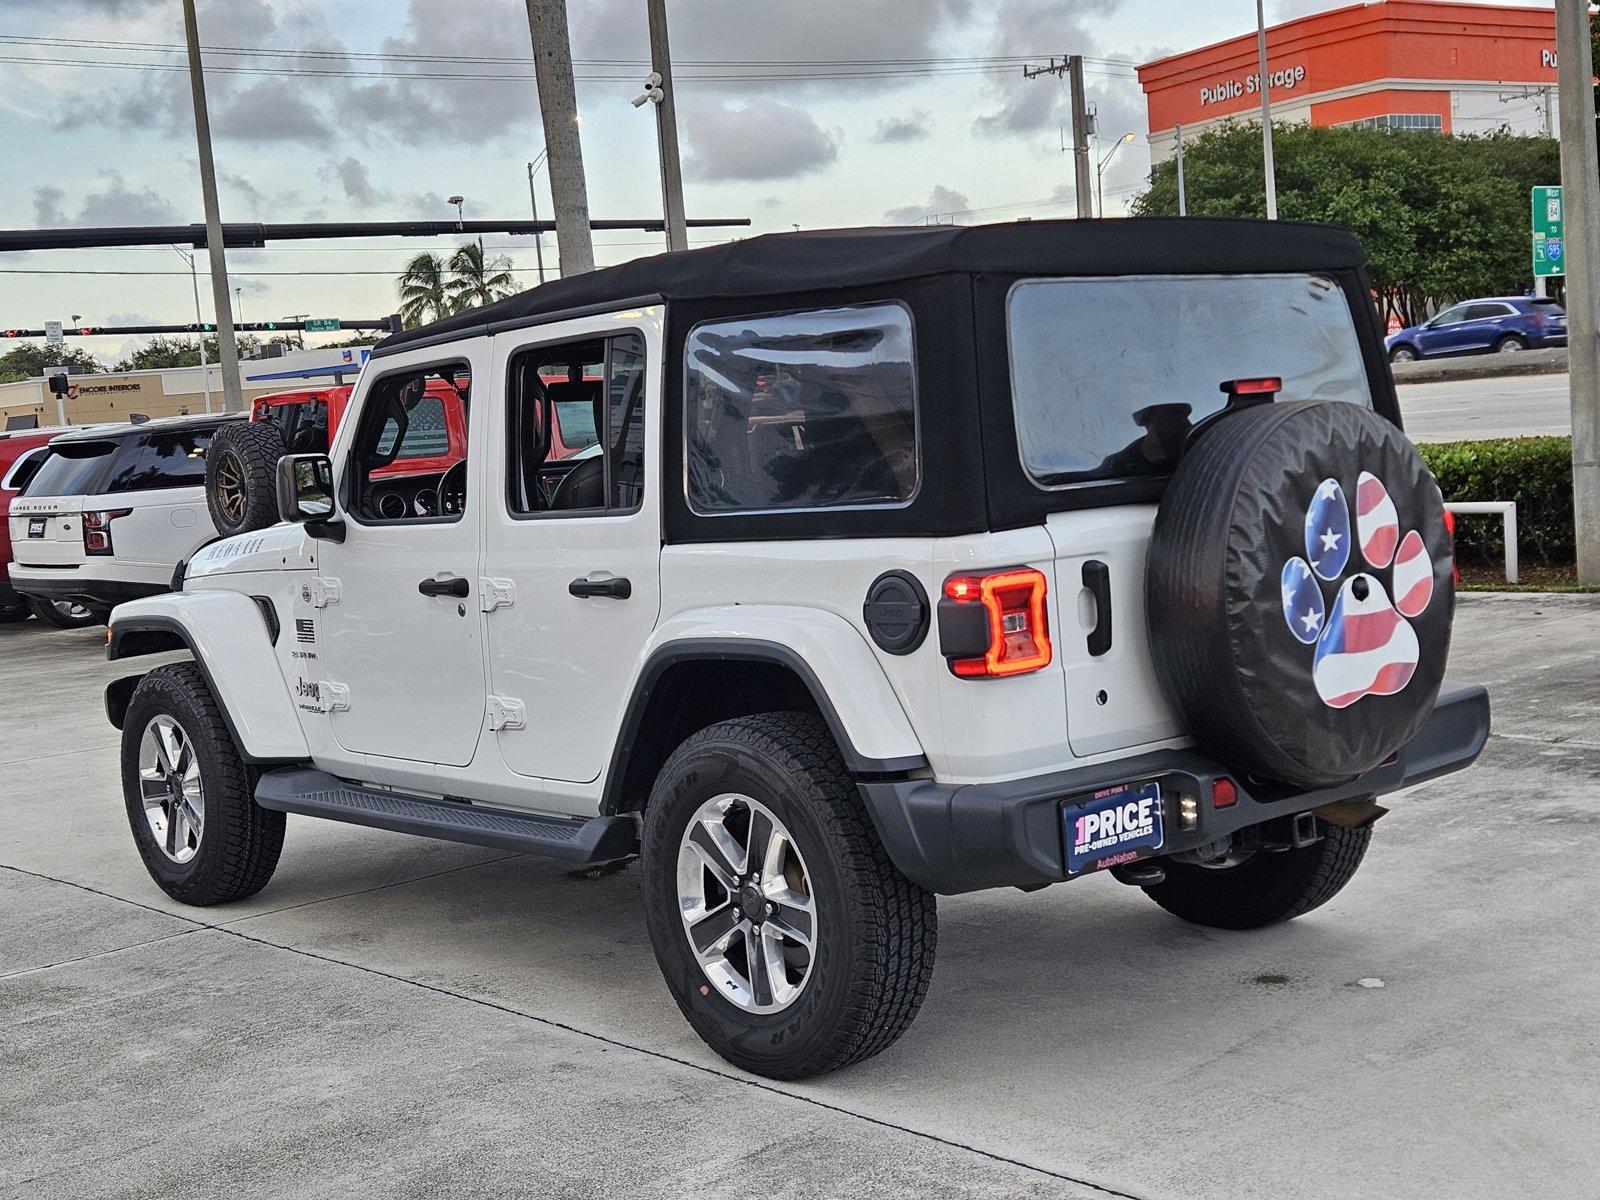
(36, 527)
(1111, 827)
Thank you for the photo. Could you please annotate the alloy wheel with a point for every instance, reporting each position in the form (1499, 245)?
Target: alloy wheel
(747, 903)
(171, 788)
(230, 490)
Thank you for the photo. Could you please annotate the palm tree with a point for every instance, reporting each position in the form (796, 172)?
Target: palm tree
(424, 291)
(474, 281)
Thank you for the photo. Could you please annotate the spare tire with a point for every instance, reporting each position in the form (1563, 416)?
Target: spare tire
(1299, 591)
(242, 476)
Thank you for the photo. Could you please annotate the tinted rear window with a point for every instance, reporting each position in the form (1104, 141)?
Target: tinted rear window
(1108, 376)
(803, 410)
(74, 469)
(161, 460)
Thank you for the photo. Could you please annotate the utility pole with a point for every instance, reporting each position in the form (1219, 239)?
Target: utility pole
(200, 322)
(1266, 114)
(666, 128)
(558, 105)
(1183, 199)
(1580, 195)
(228, 349)
(1072, 67)
(533, 203)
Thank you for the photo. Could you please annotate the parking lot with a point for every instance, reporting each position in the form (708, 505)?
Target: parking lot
(393, 1016)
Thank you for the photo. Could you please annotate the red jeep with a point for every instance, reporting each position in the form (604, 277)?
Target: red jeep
(241, 466)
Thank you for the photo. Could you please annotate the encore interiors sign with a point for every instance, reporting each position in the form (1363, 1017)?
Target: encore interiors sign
(1250, 85)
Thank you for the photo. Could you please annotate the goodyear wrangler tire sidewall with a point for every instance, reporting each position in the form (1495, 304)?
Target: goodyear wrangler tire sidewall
(1232, 517)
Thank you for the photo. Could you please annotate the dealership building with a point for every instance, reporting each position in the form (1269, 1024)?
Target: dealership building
(1423, 65)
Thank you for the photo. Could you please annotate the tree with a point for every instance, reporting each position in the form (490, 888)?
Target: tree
(474, 281)
(424, 290)
(29, 360)
(1442, 218)
(164, 353)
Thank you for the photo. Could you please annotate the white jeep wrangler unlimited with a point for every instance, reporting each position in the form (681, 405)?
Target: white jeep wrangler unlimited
(916, 561)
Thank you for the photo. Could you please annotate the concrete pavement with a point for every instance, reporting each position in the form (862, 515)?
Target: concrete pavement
(397, 1017)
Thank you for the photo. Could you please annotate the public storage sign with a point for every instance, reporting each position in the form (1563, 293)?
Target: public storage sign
(1231, 89)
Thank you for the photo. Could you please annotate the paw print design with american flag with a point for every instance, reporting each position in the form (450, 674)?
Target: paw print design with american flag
(1364, 643)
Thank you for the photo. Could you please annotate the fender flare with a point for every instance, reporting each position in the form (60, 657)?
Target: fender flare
(863, 713)
(216, 628)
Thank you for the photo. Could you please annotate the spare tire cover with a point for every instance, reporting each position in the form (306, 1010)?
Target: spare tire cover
(1300, 591)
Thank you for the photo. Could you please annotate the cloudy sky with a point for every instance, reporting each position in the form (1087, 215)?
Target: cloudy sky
(346, 112)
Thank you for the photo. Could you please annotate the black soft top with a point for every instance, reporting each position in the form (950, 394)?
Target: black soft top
(823, 260)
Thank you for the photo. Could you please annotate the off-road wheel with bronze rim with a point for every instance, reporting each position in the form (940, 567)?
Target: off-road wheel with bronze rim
(242, 477)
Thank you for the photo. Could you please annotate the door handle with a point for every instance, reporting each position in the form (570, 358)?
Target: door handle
(459, 588)
(1097, 578)
(616, 589)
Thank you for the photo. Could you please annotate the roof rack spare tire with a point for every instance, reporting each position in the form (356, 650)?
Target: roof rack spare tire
(1299, 593)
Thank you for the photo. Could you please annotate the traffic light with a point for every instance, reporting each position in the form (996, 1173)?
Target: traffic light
(11, 333)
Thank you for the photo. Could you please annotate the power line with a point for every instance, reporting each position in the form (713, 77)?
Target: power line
(393, 56)
(523, 76)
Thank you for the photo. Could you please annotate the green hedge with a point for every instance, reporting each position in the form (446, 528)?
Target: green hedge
(1536, 472)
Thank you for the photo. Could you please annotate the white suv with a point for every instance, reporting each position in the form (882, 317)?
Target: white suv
(915, 561)
(112, 510)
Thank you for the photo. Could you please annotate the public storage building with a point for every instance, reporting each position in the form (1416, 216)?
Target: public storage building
(1421, 65)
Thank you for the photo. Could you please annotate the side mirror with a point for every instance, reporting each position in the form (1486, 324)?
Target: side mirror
(305, 495)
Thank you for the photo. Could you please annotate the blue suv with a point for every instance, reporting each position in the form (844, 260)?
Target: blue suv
(1498, 324)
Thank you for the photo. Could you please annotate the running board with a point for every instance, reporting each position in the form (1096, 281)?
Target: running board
(318, 794)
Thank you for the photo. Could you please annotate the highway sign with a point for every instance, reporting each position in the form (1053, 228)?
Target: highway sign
(1549, 237)
(322, 324)
(52, 332)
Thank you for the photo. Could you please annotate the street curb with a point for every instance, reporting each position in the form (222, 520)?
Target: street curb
(1552, 361)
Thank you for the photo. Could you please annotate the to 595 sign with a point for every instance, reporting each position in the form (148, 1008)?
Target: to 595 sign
(1549, 239)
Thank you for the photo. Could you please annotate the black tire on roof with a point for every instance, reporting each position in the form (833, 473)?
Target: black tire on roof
(242, 476)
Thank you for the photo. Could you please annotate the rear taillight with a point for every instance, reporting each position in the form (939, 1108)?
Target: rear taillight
(995, 625)
(1450, 528)
(97, 530)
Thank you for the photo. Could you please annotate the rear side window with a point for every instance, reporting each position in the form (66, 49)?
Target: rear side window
(161, 460)
(802, 411)
(1108, 376)
(72, 469)
(27, 465)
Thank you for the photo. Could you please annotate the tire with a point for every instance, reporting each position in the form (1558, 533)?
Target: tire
(1266, 888)
(1299, 591)
(1403, 354)
(874, 930)
(242, 477)
(1510, 344)
(14, 611)
(64, 614)
(236, 848)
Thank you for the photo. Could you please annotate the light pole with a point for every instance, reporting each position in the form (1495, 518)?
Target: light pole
(1266, 114)
(205, 368)
(1100, 171)
(558, 108)
(533, 203)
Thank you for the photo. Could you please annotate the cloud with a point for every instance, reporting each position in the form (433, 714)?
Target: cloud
(942, 202)
(913, 127)
(273, 110)
(115, 203)
(1022, 26)
(354, 180)
(761, 139)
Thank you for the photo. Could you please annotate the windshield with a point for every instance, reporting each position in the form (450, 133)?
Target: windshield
(1108, 376)
(71, 469)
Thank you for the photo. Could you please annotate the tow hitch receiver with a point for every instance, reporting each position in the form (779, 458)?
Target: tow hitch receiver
(1290, 833)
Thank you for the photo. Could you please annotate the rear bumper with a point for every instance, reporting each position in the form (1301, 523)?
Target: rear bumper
(963, 838)
(95, 593)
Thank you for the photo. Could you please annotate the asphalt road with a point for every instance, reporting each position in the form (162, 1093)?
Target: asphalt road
(1511, 406)
(394, 1017)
